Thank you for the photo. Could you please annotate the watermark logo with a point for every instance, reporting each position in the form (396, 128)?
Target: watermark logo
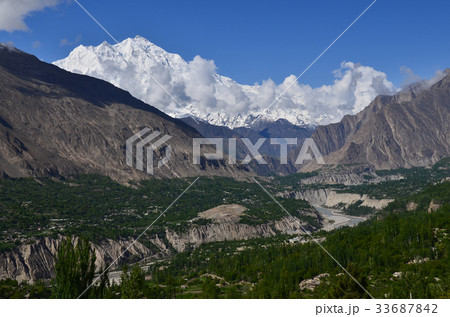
(145, 148)
(304, 155)
(145, 143)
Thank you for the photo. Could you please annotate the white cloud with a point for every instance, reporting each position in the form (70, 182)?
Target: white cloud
(14, 12)
(412, 79)
(437, 77)
(37, 44)
(354, 87)
(197, 86)
(409, 77)
(66, 42)
(200, 83)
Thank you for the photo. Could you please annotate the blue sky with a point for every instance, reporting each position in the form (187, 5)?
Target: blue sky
(251, 41)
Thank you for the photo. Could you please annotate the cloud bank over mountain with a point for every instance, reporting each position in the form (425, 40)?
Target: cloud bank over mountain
(177, 87)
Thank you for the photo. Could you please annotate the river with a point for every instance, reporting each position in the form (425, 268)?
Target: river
(338, 218)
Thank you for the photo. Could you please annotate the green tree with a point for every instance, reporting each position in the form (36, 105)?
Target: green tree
(209, 289)
(75, 269)
(346, 287)
(103, 289)
(132, 283)
(172, 289)
(232, 292)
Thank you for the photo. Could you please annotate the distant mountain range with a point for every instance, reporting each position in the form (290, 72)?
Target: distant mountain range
(180, 88)
(53, 122)
(267, 129)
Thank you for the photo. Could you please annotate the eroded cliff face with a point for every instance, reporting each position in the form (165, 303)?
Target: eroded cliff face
(314, 196)
(329, 198)
(31, 262)
(347, 199)
(233, 231)
(34, 261)
(225, 225)
(349, 176)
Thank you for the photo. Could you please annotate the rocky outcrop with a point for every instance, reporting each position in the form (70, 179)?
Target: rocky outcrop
(348, 178)
(433, 206)
(409, 129)
(335, 178)
(225, 231)
(29, 262)
(35, 261)
(312, 283)
(330, 198)
(347, 199)
(411, 206)
(313, 196)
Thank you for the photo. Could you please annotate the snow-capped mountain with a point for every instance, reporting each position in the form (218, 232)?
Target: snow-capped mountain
(180, 88)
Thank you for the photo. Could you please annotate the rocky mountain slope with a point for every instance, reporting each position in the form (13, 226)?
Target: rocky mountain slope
(31, 262)
(330, 198)
(53, 122)
(409, 129)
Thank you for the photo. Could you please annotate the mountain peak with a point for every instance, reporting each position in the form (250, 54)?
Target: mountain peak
(141, 39)
(179, 88)
(104, 44)
(138, 40)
